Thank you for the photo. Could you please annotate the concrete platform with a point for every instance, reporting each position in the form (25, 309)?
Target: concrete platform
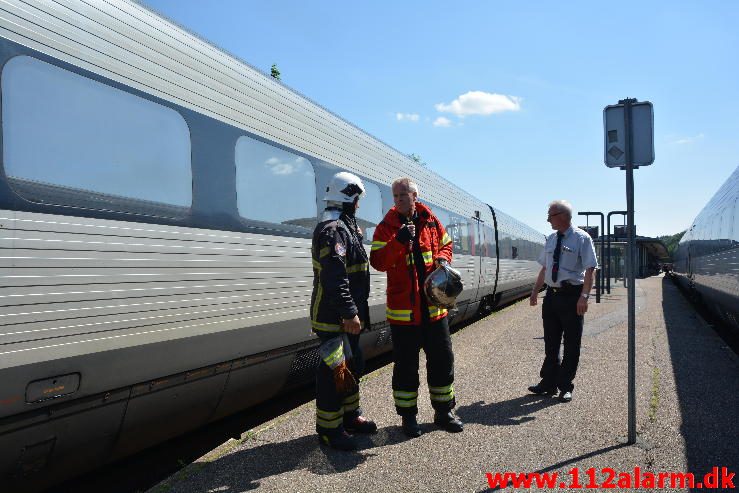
(687, 401)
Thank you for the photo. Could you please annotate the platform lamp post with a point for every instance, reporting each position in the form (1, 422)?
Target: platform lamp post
(608, 253)
(599, 274)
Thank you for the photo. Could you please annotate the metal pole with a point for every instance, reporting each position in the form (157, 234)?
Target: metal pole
(598, 276)
(631, 263)
(602, 268)
(608, 254)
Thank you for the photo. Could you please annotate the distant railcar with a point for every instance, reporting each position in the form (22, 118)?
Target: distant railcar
(157, 198)
(707, 257)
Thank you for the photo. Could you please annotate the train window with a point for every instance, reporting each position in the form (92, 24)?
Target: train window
(489, 242)
(735, 231)
(369, 213)
(274, 185)
(441, 214)
(459, 231)
(49, 117)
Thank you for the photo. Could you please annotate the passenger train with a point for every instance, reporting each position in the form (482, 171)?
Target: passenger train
(157, 199)
(707, 258)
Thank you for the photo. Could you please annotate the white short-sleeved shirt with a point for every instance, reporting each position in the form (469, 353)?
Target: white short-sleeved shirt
(577, 254)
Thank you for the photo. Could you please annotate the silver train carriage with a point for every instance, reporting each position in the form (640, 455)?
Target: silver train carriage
(157, 198)
(707, 257)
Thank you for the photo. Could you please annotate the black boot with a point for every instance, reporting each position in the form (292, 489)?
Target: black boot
(410, 427)
(448, 421)
(360, 424)
(339, 440)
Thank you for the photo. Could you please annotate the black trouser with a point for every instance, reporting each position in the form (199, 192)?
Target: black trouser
(332, 407)
(559, 311)
(408, 340)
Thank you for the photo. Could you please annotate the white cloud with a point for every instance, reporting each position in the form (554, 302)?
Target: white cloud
(480, 103)
(442, 122)
(280, 167)
(410, 117)
(688, 140)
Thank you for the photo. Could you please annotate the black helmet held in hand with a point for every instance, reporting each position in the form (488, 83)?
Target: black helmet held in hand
(443, 286)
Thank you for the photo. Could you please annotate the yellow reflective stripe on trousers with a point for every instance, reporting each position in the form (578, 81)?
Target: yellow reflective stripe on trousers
(333, 423)
(442, 394)
(436, 311)
(404, 315)
(376, 245)
(405, 399)
(351, 403)
(445, 240)
(357, 268)
(330, 415)
(336, 356)
(325, 327)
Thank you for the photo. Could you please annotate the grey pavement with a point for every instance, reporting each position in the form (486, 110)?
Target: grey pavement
(687, 412)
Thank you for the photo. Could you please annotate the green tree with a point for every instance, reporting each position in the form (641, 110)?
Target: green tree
(275, 72)
(417, 158)
(671, 242)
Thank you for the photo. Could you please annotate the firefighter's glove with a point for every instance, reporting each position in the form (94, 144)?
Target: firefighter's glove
(343, 379)
(406, 233)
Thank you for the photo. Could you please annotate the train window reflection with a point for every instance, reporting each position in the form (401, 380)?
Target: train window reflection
(49, 115)
(274, 185)
(369, 213)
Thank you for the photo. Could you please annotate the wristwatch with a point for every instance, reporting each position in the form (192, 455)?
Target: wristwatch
(585, 295)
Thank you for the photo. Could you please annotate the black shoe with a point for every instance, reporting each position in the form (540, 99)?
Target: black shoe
(410, 427)
(449, 422)
(539, 389)
(565, 396)
(338, 440)
(360, 424)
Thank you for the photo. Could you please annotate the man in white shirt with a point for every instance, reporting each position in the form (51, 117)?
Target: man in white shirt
(568, 261)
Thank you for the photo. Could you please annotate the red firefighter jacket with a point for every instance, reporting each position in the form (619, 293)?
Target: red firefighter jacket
(404, 291)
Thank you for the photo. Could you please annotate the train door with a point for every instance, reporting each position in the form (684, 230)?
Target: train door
(478, 230)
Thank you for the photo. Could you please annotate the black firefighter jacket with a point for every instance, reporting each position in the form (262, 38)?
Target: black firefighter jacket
(340, 274)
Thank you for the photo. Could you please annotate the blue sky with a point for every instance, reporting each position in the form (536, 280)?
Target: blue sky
(521, 88)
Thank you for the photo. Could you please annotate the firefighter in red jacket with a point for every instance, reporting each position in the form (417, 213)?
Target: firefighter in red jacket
(409, 244)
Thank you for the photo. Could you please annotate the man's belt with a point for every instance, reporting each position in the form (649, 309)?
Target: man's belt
(566, 288)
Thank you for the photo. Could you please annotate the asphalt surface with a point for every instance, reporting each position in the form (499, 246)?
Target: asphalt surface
(687, 412)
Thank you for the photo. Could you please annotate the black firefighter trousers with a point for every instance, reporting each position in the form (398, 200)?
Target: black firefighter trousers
(434, 339)
(334, 408)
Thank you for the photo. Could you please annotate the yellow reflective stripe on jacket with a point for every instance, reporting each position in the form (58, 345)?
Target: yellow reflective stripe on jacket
(428, 258)
(357, 268)
(316, 264)
(325, 327)
(442, 394)
(404, 315)
(445, 240)
(376, 245)
(323, 252)
(436, 311)
(336, 356)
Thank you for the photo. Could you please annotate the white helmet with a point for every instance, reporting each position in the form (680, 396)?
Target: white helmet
(344, 187)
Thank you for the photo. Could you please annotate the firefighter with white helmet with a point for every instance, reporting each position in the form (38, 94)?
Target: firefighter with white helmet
(339, 310)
